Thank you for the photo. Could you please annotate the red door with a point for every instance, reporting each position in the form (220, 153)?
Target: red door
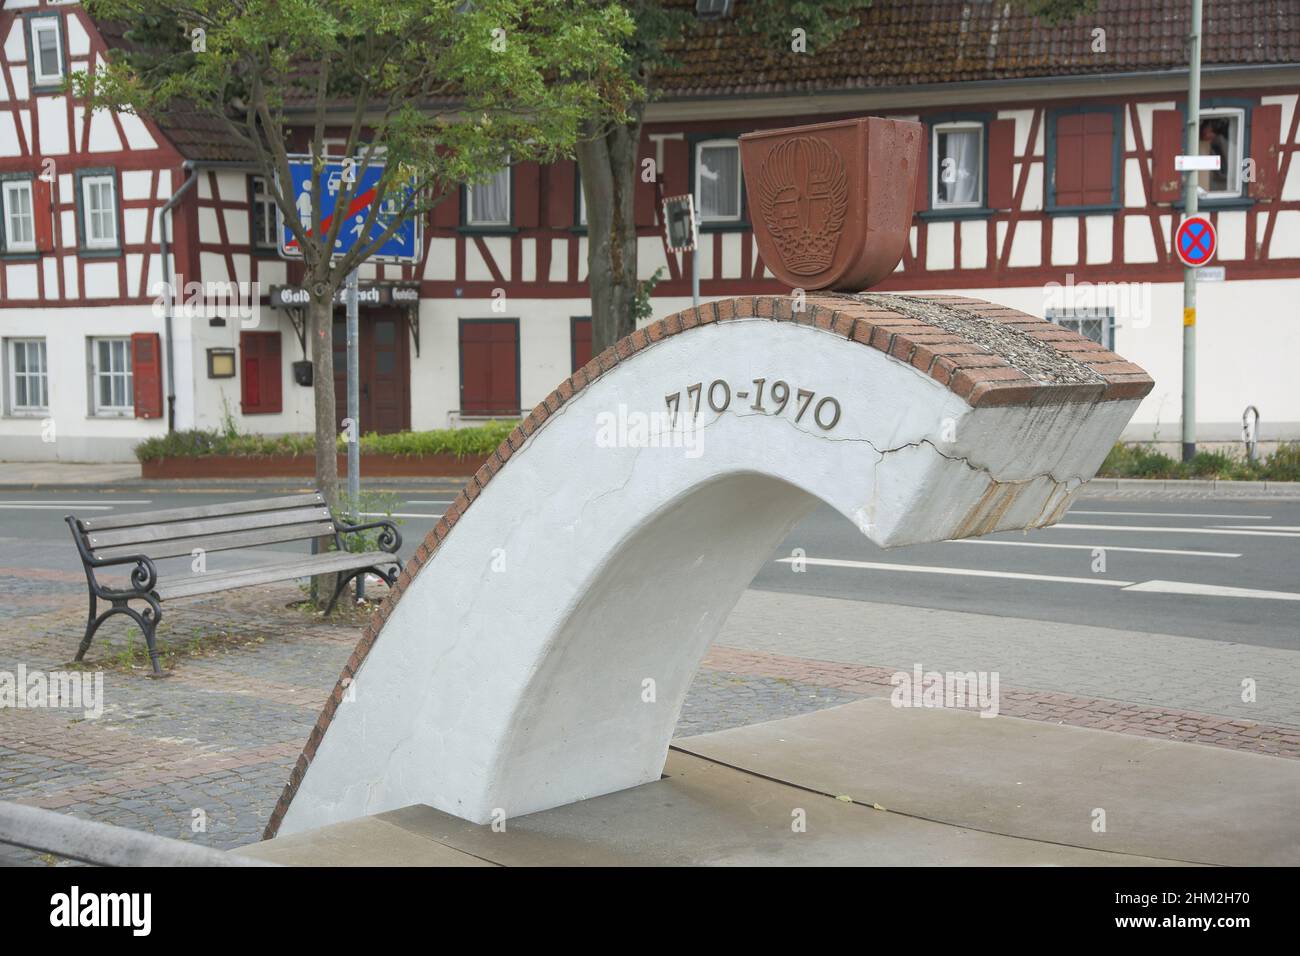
(580, 338)
(489, 367)
(383, 364)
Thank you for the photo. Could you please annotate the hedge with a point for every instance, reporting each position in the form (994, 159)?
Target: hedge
(196, 443)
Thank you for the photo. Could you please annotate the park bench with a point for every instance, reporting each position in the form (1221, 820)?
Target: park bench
(144, 538)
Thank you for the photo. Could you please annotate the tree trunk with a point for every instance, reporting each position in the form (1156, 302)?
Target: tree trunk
(608, 162)
(321, 325)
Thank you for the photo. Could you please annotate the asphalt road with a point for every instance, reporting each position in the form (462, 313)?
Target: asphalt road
(1221, 570)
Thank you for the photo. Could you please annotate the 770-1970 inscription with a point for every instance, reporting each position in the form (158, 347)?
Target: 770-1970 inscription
(768, 399)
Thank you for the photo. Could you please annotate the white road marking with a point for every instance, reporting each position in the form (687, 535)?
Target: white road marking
(1170, 514)
(1158, 530)
(1211, 590)
(96, 505)
(26, 507)
(966, 572)
(1102, 547)
(1272, 527)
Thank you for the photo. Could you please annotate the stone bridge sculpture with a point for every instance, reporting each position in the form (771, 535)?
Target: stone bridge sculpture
(538, 647)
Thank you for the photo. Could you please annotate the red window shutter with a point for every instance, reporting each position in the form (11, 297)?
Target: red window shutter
(1002, 145)
(527, 195)
(1265, 137)
(561, 181)
(581, 344)
(446, 215)
(146, 374)
(261, 389)
(676, 170)
(1084, 172)
(43, 215)
(1166, 143)
(489, 363)
(922, 201)
(646, 196)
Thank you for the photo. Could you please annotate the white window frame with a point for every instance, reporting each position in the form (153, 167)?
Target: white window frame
(96, 373)
(269, 219)
(1235, 160)
(88, 214)
(1073, 319)
(960, 126)
(10, 187)
(510, 200)
(11, 360)
(740, 175)
(36, 26)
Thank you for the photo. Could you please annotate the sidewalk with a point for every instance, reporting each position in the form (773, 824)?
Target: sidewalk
(217, 740)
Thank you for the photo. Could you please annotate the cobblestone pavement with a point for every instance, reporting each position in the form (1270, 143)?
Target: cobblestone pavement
(204, 754)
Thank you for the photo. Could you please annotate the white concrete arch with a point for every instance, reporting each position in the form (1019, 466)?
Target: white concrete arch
(511, 675)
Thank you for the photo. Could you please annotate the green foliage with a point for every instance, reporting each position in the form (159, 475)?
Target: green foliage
(408, 73)
(197, 443)
(643, 308)
(1056, 12)
(1143, 461)
(822, 21)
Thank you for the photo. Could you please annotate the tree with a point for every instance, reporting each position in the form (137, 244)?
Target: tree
(608, 148)
(452, 90)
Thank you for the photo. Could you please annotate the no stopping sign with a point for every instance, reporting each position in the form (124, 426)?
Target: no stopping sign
(1195, 241)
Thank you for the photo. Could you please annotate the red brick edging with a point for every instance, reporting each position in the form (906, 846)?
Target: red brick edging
(973, 373)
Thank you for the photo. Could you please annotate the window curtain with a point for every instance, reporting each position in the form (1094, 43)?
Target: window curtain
(490, 200)
(959, 161)
(719, 182)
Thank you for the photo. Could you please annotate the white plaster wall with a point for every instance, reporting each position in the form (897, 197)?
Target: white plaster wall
(1248, 337)
(520, 689)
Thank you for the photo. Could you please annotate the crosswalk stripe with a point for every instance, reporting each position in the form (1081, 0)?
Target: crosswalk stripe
(1158, 530)
(1211, 590)
(1101, 547)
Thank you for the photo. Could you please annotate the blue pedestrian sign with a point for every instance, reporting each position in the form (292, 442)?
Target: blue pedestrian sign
(336, 177)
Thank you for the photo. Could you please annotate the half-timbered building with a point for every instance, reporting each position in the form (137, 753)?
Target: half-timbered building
(1047, 184)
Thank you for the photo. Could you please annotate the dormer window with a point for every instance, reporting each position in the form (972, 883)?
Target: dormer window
(46, 50)
(712, 9)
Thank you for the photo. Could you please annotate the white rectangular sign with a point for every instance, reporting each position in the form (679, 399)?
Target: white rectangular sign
(1183, 164)
(1211, 274)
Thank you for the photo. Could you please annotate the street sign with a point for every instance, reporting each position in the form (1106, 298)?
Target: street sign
(679, 219)
(1211, 274)
(335, 177)
(1184, 164)
(1195, 241)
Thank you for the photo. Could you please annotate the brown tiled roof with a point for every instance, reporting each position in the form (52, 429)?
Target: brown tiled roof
(195, 134)
(901, 43)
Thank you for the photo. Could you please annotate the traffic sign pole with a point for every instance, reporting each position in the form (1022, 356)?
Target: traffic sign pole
(1190, 206)
(354, 412)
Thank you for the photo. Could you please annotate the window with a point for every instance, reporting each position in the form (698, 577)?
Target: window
(1221, 135)
(46, 51)
(712, 9)
(99, 211)
(1083, 173)
(957, 161)
(29, 387)
(1097, 324)
(19, 218)
(489, 367)
(582, 202)
(263, 208)
(717, 180)
(261, 373)
(489, 201)
(580, 341)
(113, 384)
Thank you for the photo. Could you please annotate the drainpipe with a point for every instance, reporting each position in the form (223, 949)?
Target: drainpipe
(163, 247)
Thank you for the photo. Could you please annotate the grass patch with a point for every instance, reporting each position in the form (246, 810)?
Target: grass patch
(1143, 461)
(197, 443)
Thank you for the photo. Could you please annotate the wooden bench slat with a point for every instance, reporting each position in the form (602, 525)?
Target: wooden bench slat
(219, 510)
(222, 542)
(197, 584)
(144, 534)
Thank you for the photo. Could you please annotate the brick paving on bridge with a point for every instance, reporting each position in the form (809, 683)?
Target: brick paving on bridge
(203, 754)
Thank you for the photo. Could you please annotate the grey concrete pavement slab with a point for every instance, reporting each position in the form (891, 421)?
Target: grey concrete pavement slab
(1037, 781)
(370, 841)
(699, 813)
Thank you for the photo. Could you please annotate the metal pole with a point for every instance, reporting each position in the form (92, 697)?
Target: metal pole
(1190, 206)
(694, 265)
(354, 413)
